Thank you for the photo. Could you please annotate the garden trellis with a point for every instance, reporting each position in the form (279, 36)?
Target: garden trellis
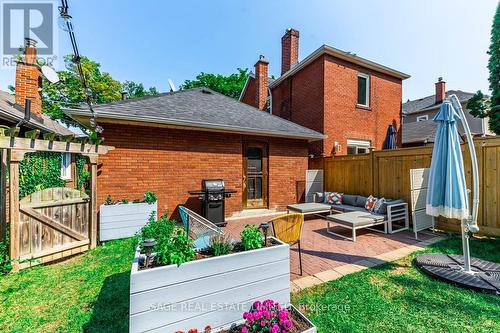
(51, 223)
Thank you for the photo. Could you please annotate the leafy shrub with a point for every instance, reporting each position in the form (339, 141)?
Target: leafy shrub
(5, 261)
(108, 201)
(150, 197)
(251, 238)
(267, 316)
(125, 201)
(38, 171)
(173, 246)
(220, 245)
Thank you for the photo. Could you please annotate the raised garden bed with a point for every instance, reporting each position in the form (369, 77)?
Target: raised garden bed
(212, 291)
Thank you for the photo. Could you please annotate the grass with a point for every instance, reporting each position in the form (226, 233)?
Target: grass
(90, 293)
(397, 297)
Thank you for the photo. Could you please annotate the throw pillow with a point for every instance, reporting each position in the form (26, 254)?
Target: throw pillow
(334, 198)
(370, 202)
(325, 197)
(378, 205)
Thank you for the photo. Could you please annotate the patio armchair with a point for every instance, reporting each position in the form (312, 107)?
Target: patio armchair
(288, 229)
(198, 228)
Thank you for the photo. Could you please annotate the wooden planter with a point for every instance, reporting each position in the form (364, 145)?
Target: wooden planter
(124, 220)
(213, 291)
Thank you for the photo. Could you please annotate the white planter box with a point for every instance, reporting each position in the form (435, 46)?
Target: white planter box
(213, 291)
(124, 220)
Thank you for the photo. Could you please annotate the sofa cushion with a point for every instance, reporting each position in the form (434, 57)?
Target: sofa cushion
(356, 219)
(348, 208)
(349, 200)
(370, 203)
(361, 201)
(334, 198)
(309, 207)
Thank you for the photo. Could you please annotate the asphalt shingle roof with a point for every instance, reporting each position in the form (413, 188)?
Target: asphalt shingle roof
(200, 108)
(429, 102)
(12, 112)
(419, 131)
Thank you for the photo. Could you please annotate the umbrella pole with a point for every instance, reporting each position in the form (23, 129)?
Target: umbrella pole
(469, 224)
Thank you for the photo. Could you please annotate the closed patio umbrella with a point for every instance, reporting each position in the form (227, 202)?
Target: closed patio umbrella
(390, 138)
(447, 193)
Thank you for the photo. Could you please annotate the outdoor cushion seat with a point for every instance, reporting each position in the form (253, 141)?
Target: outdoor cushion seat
(356, 219)
(348, 208)
(309, 207)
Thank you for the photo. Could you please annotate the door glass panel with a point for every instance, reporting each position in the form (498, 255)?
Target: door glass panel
(254, 159)
(250, 188)
(258, 188)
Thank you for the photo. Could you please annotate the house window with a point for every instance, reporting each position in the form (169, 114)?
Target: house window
(357, 147)
(422, 118)
(363, 89)
(66, 166)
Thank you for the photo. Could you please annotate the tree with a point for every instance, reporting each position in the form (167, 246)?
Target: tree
(477, 106)
(68, 92)
(230, 85)
(135, 90)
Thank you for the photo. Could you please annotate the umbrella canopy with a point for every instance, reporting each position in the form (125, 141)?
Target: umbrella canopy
(390, 138)
(447, 192)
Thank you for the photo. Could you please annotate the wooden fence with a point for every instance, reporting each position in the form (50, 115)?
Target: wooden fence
(386, 173)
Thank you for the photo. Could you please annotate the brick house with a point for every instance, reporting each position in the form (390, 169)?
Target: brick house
(350, 99)
(170, 142)
(418, 128)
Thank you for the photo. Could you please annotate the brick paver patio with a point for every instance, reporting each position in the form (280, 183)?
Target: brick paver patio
(326, 257)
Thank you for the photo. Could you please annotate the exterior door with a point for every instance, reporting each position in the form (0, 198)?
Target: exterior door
(255, 175)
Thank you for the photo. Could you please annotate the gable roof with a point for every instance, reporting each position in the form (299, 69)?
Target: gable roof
(14, 113)
(250, 76)
(198, 108)
(429, 102)
(348, 56)
(419, 131)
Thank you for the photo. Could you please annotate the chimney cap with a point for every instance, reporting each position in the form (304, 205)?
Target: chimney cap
(262, 59)
(292, 31)
(440, 79)
(30, 42)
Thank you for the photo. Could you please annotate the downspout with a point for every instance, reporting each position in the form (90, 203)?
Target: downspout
(270, 100)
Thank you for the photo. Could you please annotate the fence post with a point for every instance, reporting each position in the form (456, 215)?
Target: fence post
(15, 157)
(3, 196)
(93, 199)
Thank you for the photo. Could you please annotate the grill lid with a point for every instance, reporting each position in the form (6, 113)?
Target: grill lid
(213, 184)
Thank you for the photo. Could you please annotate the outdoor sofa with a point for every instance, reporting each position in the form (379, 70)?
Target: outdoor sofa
(352, 214)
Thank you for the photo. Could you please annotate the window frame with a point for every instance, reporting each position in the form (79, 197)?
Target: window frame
(367, 92)
(422, 117)
(66, 166)
(358, 144)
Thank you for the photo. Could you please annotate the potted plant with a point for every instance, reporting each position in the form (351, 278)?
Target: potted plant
(180, 289)
(120, 219)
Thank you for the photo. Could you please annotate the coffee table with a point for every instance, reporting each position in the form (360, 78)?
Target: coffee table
(355, 221)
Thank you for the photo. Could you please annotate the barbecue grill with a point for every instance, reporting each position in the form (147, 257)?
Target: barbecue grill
(213, 196)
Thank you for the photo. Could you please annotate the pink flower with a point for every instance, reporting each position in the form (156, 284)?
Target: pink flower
(244, 329)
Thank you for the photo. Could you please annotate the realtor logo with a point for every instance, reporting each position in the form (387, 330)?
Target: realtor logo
(28, 19)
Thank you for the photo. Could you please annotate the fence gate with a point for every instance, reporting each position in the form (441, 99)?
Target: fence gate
(53, 223)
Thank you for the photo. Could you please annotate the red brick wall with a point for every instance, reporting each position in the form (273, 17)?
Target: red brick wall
(171, 162)
(250, 93)
(323, 95)
(344, 120)
(300, 99)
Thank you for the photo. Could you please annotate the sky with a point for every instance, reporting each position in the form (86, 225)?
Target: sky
(153, 41)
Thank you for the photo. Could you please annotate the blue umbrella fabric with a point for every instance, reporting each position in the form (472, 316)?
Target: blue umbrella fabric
(390, 138)
(447, 191)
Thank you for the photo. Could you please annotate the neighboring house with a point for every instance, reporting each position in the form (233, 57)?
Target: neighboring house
(350, 99)
(28, 86)
(418, 129)
(170, 142)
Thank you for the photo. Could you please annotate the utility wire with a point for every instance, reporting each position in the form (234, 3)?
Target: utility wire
(63, 10)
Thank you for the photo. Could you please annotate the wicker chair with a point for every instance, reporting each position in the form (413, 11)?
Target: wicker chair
(288, 229)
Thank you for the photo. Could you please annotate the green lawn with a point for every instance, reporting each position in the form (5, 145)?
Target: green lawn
(396, 297)
(90, 293)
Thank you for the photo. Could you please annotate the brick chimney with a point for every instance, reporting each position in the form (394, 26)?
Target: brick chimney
(29, 79)
(440, 90)
(289, 49)
(261, 83)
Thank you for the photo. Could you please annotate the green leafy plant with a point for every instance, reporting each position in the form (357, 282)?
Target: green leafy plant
(82, 175)
(220, 245)
(125, 201)
(108, 201)
(150, 197)
(5, 261)
(38, 171)
(251, 238)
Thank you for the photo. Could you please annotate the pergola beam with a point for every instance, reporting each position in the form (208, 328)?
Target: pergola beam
(7, 142)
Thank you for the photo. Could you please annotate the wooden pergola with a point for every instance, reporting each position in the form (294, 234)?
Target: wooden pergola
(12, 150)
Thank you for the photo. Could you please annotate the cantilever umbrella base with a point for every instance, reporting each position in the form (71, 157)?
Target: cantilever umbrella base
(449, 268)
